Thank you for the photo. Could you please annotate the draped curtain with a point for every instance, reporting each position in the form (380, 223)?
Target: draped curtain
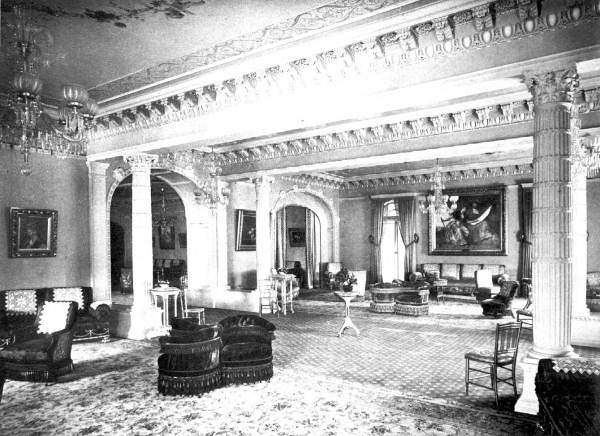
(376, 232)
(313, 249)
(526, 232)
(407, 215)
(281, 239)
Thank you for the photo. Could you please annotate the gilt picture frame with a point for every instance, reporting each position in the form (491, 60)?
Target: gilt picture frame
(297, 237)
(32, 232)
(245, 238)
(477, 227)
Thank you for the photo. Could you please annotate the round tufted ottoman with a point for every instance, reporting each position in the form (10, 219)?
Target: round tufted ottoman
(412, 303)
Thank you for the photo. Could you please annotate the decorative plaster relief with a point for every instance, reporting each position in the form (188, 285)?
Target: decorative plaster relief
(391, 51)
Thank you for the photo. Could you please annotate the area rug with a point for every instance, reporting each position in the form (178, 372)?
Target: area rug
(113, 391)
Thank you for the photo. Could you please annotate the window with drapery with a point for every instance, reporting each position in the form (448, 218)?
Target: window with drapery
(392, 246)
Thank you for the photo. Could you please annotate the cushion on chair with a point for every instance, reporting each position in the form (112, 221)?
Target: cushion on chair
(483, 279)
(450, 271)
(487, 356)
(53, 317)
(33, 350)
(467, 271)
(430, 269)
(246, 320)
(21, 301)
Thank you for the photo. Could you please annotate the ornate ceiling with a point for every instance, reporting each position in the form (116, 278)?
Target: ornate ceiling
(349, 94)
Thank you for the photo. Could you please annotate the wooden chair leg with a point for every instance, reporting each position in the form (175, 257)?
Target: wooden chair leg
(467, 375)
(514, 379)
(494, 371)
(2, 380)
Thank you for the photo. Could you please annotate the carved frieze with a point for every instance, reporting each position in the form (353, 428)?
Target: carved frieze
(389, 51)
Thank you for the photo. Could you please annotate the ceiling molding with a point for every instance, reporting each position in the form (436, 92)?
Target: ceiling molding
(385, 52)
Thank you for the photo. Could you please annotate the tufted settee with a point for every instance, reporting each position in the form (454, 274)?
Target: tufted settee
(593, 291)
(461, 276)
(18, 308)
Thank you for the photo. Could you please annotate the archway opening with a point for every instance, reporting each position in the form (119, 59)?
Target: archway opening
(298, 244)
(169, 236)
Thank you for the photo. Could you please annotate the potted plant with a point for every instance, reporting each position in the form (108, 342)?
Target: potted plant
(344, 280)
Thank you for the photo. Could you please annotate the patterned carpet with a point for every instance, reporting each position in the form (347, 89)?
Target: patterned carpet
(400, 376)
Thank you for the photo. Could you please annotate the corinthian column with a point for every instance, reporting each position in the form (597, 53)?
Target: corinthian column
(143, 317)
(263, 229)
(99, 248)
(553, 224)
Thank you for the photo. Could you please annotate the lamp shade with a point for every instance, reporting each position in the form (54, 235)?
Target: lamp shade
(74, 95)
(27, 85)
(90, 108)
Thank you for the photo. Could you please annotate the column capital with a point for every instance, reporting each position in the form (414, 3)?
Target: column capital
(140, 161)
(553, 86)
(586, 156)
(97, 168)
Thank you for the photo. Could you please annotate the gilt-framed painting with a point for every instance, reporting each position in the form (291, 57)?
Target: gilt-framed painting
(297, 237)
(245, 238)
(477, 227)
(32, 232)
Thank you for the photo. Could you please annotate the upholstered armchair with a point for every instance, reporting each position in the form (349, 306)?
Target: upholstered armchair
(41, 351)
(501, 304)
(189, 363)
(486, 283)
(247, 355)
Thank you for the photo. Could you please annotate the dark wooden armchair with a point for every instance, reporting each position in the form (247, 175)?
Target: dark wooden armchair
(41, 352)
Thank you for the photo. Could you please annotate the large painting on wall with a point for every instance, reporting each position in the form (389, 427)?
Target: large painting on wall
(166, 237)
(475, 227)
(32, 232)
(246, 230)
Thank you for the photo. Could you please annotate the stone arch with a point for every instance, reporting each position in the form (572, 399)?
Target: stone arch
(325, 211)
(200, 222)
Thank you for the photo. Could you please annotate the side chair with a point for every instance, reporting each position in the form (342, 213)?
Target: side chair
(489, 361)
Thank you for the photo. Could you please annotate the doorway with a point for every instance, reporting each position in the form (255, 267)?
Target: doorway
(298, 244)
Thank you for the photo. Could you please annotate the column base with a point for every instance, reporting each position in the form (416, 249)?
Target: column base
(528, 401)
(146, 322)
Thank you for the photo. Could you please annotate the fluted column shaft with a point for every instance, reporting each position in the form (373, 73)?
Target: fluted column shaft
(552, 255)
(552, 225)
(263, 229)
(99, 236)
(143, 317)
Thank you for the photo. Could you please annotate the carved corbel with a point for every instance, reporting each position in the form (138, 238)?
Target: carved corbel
(143, 111)
(210, 93)
(362, 54)
(482, 17)
(128, 116)
(229, 87)
(527, 9)
(191, 98)
(157, 109)
(407, 39)
(114, 120)
(173, 103)
(102, 122)
(443, 28)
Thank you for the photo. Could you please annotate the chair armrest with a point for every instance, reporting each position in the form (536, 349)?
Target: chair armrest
(61, 344)
(101, 313)
(24, 333)
(482, 294)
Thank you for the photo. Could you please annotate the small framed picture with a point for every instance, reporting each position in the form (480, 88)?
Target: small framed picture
(297, 237)
(166, 237)
(32, 232)
(246, 230)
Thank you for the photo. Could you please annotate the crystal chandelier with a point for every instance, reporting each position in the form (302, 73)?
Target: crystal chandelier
(210, 192)
(26, 124)
(163, 219)
(437, 202)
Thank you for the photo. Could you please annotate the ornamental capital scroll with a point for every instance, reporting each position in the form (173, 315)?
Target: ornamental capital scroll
(140, 161)
(586, 155)
(553, 86)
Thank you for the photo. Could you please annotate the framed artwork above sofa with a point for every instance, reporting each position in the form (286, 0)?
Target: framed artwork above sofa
(476, 227)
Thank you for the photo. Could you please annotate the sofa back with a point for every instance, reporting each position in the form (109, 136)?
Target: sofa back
(21, 305)
(459, 271)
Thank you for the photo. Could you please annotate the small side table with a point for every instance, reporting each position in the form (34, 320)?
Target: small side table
(165, 293)
(347, 297)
